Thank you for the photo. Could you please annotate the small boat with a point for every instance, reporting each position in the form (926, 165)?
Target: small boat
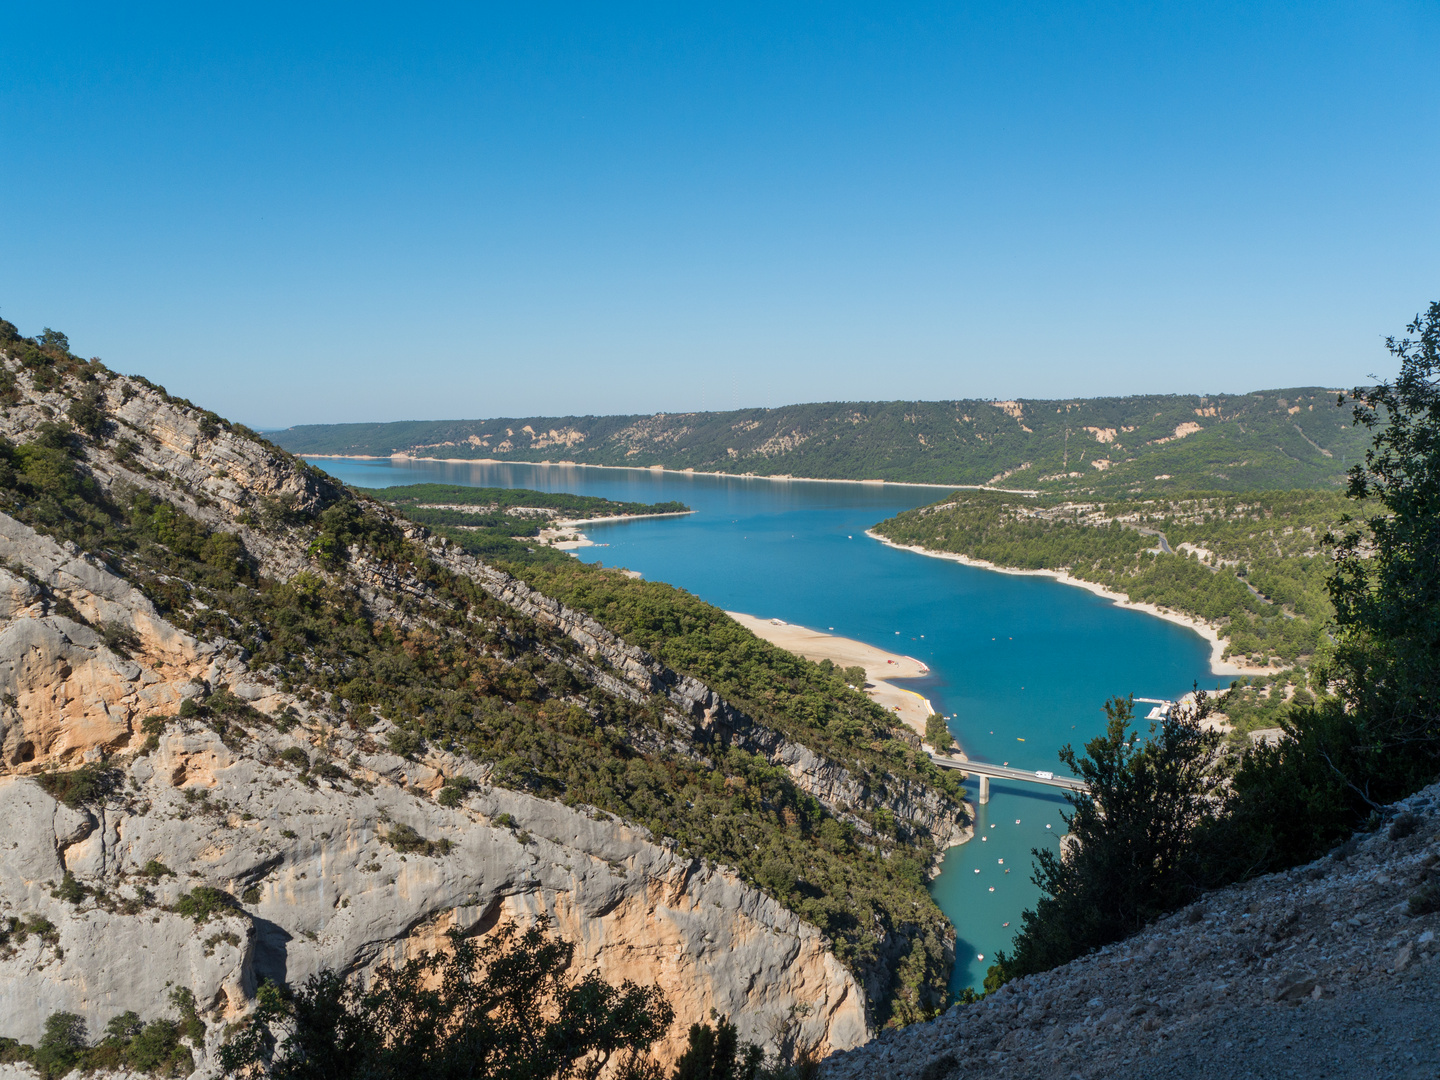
(977, 870)
(1017, 821)
(980, 956)
(983, 839)
(1047, 825)
(992, 888)
(1002, 862)
(1004, 924)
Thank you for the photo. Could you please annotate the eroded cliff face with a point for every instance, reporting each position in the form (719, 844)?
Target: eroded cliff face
(92, 672)
(321, 887)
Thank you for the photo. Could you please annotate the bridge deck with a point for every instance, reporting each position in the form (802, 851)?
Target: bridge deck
(1006, 772)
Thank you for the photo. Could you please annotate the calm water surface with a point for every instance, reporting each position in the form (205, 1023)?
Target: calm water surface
(1020, 665)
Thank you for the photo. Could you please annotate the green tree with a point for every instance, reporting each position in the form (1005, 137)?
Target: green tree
(715, 1053)
(1388, 603)
(54, 339)
(507, 1008)
(1133, 855)
(937, 733)
(61, 1045)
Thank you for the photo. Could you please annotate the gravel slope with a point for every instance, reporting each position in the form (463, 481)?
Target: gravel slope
(1319, 972)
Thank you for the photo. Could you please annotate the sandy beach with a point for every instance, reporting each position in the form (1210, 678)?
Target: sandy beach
(571, 526)
(880, 666)
(1218, 664)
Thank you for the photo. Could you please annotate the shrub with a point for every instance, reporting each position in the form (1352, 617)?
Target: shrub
(251, 895)
(454, 791)
(85, 784)
(119, 638)
(87, 413)
(157, 869)
(1404, 825)
(203, 902)
(405, 839)
(70, 890)
(1136, 858)
(293, 755)
(404, 742)
(1425, 900)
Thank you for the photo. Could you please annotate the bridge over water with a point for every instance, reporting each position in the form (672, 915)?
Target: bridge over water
(986, 771)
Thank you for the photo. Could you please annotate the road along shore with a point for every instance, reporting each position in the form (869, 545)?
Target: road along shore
(880, 666)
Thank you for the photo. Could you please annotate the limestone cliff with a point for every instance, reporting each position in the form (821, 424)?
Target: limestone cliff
(335, 837)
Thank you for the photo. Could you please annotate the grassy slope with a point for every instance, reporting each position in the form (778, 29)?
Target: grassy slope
(1290, 438)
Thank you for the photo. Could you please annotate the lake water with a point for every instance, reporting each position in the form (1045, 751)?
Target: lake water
(1021, 665)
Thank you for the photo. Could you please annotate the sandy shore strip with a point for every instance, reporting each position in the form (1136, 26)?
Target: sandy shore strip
(880, 666)
(1218, 664)
(571, 527)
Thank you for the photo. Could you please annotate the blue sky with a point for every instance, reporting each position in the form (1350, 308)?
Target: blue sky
(412, 211)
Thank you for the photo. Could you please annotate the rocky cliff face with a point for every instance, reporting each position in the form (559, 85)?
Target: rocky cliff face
(1327, 970)
(328, 848)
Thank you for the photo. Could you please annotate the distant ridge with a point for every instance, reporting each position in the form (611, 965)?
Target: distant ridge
(1269, 439)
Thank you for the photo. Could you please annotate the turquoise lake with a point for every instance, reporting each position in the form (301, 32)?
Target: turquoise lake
(1021, 665)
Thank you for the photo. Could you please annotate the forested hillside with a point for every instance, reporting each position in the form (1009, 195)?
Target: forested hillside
(1294, 438)
(1253, 565)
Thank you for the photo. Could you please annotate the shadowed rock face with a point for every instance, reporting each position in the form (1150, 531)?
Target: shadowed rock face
(309, 878)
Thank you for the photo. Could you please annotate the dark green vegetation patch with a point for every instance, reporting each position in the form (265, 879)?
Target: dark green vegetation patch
(501, 523)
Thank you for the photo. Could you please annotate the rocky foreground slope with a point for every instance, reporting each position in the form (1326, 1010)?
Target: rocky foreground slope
(180, 813)
(1327, 970)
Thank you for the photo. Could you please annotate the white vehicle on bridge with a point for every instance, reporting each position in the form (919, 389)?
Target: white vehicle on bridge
(1045, 775)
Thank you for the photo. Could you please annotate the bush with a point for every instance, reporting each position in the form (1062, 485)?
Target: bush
(293, 755)
(404, 742)
(70, 890)
(454, 791)
(157, 869)
(85, 784)
(202, 903)
(406, 840)
(1425, 900)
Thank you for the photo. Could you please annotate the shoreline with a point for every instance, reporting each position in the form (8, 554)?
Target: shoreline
(1219, 666)
(786, 477)
(911, 708)
(560, 525)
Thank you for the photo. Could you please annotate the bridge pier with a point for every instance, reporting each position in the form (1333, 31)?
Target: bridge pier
(984, 790)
